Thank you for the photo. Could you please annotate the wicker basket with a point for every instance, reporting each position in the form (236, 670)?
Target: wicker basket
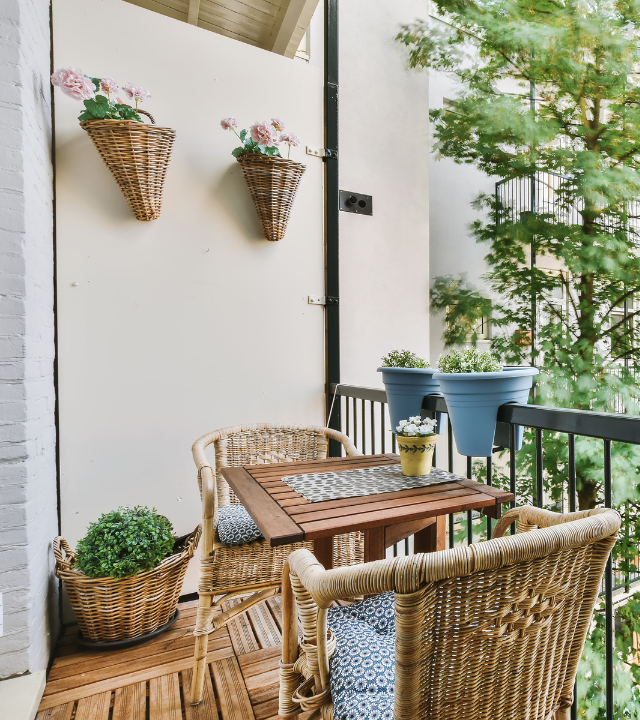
(138, 156)
(273, 183)
(110, 609)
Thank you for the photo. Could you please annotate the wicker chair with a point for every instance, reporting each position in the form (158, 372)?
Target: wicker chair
(252, 567)
(492, 630)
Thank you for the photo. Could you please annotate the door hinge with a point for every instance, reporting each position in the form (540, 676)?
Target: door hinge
(323, 300)
(324, 153)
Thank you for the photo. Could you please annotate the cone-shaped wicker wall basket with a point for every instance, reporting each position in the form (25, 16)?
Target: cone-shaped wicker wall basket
(273, 183)
(138, 156)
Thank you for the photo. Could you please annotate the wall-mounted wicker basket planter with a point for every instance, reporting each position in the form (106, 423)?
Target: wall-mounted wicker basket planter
(273, 183)
(138, 156)
(112, 610)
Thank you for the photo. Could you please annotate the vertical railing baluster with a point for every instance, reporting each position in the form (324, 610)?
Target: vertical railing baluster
(355, 422)
(608, 591)
(383, 430)
(469, 512)
(539, 502)
(364, 427)
(373, 429)
(393, 442)
(513, 471)
(347, 417)
(489, 482)
(452, 531)
(572, 472)
(627, 584)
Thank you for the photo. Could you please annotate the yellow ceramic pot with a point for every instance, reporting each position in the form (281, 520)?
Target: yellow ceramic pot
(416, 454)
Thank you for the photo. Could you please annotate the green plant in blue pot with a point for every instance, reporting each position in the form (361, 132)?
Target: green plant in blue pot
(407, 379)
(475, 385)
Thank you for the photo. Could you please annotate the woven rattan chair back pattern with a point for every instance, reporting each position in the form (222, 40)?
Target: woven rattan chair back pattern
(254, 567)
(492, 630)
(266, 445)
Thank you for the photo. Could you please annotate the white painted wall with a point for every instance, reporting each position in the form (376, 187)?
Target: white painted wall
(384, 152)
(28, 503)
(191, 322)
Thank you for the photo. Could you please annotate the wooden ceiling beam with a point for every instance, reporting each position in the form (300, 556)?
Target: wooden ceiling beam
(293, 14)
(193, 12)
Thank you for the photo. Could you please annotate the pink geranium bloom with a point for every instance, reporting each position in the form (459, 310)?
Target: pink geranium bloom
(73, 83)
(228, 123)
(135, 92)
(290, 139)
(264, 133)
(108, 85)
(277, 124)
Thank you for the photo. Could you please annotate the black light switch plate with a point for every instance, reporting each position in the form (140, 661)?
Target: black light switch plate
(356, 203)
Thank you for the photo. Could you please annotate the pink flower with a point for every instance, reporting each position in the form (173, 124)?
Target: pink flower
(119, 101)
(108, 85)
(290, 139)
(277, 124)
(264, 133)
(135, 92)
(228, 123)
(73, 83)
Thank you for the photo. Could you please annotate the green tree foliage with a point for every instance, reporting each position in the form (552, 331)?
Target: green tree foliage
(124, 542)
(552, 88)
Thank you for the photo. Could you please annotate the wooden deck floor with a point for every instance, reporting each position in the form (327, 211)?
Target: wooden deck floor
(152, 681)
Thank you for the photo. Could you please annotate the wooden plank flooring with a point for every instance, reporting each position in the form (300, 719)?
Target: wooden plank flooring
(153, 681)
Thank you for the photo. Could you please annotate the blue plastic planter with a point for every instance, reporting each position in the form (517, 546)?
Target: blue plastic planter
(473, 400)
(406, 387)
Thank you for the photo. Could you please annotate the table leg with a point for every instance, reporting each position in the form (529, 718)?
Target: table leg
(323, 550)
(431, 538)
(374, 544)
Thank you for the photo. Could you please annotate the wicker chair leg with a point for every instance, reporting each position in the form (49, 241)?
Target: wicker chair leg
(200, 652)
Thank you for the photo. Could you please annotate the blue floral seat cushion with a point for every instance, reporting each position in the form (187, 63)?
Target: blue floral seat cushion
(235, 526)
(363, 666)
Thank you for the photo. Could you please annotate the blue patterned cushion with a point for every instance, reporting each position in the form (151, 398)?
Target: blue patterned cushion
(235, 526)
(363, 665)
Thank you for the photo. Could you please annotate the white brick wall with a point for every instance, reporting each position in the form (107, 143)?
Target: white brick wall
(28, 503)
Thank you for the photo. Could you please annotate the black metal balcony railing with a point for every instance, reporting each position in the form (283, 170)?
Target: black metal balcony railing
(364, 418)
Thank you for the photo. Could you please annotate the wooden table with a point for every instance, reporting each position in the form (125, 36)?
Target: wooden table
(284, 516)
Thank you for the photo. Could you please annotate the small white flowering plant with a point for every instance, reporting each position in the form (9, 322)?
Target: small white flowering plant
(403, 359)
(416, 427)
(468, 360)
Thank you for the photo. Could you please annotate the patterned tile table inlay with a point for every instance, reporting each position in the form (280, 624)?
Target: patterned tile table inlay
(317, 487)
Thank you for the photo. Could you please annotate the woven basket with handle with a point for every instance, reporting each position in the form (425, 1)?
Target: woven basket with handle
(110, 609)
(138, 156)
(273, 183)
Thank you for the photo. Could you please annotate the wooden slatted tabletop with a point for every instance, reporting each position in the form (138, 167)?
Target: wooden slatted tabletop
(284, 516)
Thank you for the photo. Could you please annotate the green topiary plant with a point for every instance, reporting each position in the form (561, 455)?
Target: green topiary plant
(403, 359)
(124, 542)
(468, 360)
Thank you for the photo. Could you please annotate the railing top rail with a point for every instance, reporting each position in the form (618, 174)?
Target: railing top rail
(604, 426)
(528, 177)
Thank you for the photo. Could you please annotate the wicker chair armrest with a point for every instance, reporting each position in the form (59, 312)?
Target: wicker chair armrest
(325, 586)
(529, 517)
(344, 440)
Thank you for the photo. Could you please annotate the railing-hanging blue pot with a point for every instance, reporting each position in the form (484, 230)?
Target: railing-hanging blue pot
(473, 400)
(406, 387)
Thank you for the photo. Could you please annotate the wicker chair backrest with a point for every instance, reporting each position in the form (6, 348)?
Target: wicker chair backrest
(493, 630)
(264, 443)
